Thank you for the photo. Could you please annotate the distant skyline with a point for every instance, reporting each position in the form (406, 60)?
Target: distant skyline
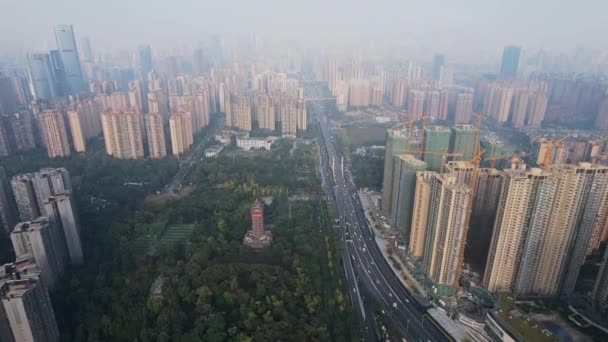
(469, 27)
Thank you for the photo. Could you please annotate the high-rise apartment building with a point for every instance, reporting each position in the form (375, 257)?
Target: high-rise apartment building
(415, 104)
(302, 118)
(444, 104)
(497, 101)
(43, 239)
(436, 140)
(66, 44)
(601, 118)
(358, 93)
(61, 211)
(78, 137)
(464, 108)
(446, 231)
(404, 181)
(519, 109)
(587, 185)
(431, 103)
(29, 311)
(289, 116)
(8, 207)
(396, 144)
(600, 289)
(493, 150)
(90, 119)
(122, 133)
(182, 136)
(156, 135)
(25, 197)
(463, 141)
(510, 61)
(537, 106)
(420, 213)
(522, 209)
(18, 131)
(265, 112)
(241, 111)
(32, 189)
(483, 215)
(54, 133)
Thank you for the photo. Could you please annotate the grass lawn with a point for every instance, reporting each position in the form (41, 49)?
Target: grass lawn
(525, 328)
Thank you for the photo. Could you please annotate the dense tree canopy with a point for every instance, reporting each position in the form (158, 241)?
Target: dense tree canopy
(214, 289)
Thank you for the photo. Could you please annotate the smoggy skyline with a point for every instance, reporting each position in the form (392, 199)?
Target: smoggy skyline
(468, 27)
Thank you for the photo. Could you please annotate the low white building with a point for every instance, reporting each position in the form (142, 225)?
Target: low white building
(257, 143)
(213, 151)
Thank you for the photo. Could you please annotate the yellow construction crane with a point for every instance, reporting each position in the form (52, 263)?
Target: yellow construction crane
(421, 149)
(549, 150)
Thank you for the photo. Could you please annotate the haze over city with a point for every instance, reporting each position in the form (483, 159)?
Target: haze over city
(463, 29)
(303, 171)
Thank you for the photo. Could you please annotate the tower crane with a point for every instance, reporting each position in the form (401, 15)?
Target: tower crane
(549, 149)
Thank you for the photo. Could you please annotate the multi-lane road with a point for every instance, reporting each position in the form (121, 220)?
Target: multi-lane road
(364, 264)
(186, 164)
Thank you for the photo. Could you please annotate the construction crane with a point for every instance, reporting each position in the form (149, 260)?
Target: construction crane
(549, 149)
(421, 150)
(477, 145)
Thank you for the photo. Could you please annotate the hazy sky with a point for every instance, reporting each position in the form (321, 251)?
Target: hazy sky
(451, 26)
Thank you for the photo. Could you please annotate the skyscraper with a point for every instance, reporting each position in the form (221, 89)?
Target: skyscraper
(182, 136)
(54, 133)
(8, 97)
(156, 135)
(510, 61)
(122, 133)
(29, 311)
(145, 59)
(446, 228)
(66, 44)
(87, 51)
(59, 73)
(438, 63)
(40, 76)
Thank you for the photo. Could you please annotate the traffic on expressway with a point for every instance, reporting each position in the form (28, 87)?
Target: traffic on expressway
(364, 263)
